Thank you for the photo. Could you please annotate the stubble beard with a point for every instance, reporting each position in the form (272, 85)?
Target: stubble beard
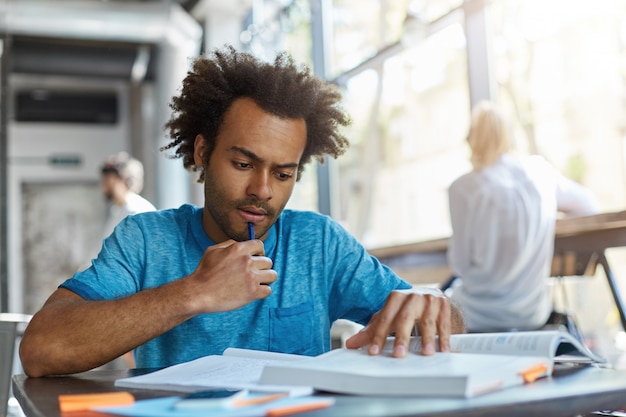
(219, 208)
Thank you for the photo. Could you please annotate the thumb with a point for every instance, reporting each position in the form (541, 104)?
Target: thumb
(359, 340)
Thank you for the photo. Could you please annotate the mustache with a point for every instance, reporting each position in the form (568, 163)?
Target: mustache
(256, 203)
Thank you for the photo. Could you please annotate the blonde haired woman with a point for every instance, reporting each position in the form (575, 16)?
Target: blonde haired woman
(503, 215)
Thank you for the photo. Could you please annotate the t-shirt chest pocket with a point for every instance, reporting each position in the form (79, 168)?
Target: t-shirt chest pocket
(292, 329)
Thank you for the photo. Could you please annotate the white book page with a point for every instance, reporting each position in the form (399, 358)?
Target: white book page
(215, 371)
(544, 343)
(538, 343)
(510, 343)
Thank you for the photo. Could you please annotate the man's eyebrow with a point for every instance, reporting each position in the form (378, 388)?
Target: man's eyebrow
(257, 158)
(247, 153)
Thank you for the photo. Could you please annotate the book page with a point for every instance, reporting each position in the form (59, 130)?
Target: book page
(209, 372)
(510, 343)
(550, 344)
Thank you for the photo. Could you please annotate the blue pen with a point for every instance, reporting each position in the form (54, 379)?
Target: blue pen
(250, 231)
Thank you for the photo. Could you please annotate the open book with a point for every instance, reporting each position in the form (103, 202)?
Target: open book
(479, 363)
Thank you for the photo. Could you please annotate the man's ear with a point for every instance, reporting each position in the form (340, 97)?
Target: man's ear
(199, 146)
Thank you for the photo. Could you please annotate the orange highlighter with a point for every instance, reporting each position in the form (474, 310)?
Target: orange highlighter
(83, 402)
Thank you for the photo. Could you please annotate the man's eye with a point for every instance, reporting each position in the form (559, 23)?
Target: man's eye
(242, 165)
(283, 175)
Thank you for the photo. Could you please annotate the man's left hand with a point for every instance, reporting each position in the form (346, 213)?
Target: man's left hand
(402, 311)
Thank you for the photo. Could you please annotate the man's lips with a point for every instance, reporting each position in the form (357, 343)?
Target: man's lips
(252, 214)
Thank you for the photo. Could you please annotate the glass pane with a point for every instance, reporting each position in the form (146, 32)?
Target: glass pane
(410, 118)
(361, 28)
(560, 72)
(296, 31)
(276, 25)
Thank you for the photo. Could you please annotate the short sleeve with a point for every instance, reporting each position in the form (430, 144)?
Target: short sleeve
(117, 270)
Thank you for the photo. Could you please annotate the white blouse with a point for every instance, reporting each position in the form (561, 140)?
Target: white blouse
(503, 220)
(134, 204)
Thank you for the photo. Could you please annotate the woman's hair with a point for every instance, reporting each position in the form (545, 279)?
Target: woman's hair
(280, 88)
(489, 136)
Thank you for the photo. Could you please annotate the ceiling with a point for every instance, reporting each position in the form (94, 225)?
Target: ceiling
(86, 58)
(95, 38)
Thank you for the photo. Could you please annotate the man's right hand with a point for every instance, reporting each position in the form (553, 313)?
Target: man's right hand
(230, 275)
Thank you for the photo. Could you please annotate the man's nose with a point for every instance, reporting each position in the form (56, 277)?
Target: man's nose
(260, 186)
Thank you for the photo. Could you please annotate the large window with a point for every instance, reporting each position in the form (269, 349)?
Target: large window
(558, 71)
(561, 72)
(557, 67)
(410, 115)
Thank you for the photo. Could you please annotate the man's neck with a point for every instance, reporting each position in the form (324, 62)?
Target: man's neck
(120, 198)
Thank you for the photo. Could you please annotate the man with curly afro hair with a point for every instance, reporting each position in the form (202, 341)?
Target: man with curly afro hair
(242, 271)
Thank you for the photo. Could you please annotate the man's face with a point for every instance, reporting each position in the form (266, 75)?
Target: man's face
(252, 171)
(109, 182)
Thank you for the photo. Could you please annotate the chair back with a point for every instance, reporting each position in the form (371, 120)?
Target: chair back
(11, 329)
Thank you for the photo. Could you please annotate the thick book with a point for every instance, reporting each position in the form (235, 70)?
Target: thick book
(478, 363)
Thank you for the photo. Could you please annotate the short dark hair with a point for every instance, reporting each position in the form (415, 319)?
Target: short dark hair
(125, 167)
(281, 88)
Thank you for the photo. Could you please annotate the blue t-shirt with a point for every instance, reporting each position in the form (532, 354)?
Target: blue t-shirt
(324, 274)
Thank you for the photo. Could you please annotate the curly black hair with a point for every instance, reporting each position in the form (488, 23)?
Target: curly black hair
(282, 89)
